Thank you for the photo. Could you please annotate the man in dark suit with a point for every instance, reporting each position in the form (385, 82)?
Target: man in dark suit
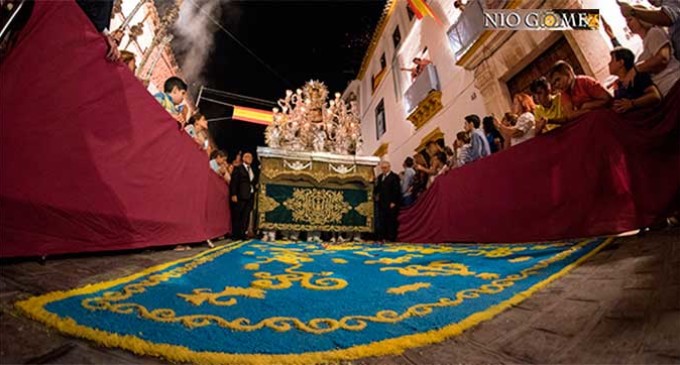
(242, 192)
(388, 196)
(99, 12)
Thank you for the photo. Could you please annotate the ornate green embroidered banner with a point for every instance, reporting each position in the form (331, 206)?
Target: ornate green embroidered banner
(302, 192)
(290, 207)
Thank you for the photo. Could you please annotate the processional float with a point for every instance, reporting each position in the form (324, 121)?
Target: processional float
(313, 177)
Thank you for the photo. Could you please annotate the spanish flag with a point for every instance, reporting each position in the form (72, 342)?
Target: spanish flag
(421, 9)
(253, 115)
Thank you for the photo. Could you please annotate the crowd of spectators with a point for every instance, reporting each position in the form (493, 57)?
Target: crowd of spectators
(560, 97)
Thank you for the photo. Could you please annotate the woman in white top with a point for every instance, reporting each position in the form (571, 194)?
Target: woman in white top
(657, 56)
(523, 106)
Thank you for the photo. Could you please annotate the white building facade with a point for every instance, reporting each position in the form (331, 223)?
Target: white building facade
(473, 70)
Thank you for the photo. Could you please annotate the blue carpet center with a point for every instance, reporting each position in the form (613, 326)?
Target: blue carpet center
(258, 302)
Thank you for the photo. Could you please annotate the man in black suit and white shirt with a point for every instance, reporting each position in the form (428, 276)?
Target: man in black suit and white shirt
(388, 196)
(242, 192)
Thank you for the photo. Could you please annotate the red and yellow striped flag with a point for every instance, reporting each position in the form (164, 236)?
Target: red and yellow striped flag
(253, 115)
(421, 9)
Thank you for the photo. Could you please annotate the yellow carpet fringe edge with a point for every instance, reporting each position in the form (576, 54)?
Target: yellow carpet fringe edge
(34, 308)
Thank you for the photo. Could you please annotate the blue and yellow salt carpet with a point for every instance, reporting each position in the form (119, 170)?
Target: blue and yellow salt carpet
(257, 302)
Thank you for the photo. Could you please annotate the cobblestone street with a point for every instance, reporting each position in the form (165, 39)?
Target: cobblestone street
(621, 306)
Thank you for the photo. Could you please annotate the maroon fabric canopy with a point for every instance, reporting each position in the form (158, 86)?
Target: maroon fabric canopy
(89, 160)
(603, 174)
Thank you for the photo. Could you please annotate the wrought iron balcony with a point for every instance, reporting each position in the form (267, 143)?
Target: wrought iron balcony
(423, 99)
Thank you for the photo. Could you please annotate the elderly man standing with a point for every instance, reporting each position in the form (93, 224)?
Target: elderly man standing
(242, 191)
(388, 196)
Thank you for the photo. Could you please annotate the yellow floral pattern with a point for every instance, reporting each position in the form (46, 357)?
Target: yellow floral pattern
(296, 258)
(119, 296)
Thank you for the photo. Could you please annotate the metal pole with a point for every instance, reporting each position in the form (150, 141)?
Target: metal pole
(218, 119)
(218, 102)
(198, 100)
(11, 18)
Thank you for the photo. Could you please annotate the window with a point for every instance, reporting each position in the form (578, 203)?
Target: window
(396, 37)
(409, 12)
(383, 62)
(380, 127)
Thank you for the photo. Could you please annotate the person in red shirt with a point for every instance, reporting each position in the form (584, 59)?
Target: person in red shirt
(579, 93)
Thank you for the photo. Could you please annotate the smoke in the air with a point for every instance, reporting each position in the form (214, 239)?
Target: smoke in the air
(194, 34)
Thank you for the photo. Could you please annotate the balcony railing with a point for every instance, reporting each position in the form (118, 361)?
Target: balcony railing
(426, 82)
(470, 24)
(467, 28)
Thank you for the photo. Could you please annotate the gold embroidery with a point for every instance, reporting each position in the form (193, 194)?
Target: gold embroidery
(311, 227)
(267, 203)
(365, 209)
(317, 176)
(317, 206)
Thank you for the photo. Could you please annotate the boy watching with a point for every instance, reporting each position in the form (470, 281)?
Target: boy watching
(548, 106)
(175, 90)
(579, 93)
(641, 93)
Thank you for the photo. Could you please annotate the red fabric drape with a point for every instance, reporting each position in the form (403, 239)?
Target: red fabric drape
(89, 160)
(603, 174)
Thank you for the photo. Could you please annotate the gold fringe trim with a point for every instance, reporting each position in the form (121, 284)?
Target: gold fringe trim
(35, 308)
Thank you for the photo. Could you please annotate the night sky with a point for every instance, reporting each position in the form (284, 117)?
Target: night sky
(299, 40)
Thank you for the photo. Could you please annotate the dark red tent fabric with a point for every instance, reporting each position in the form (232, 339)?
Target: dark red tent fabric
(89, 160)
(603, 174)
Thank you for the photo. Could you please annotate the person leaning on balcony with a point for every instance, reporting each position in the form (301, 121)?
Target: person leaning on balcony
(407, 182)
(461, 148)
(479, 146)
(548, 105)
(579, 93)
(432, 148)
(493, 135)
(524, 129)
(175, 90)
(667, 16)
(128, 59)
(418, 69)
(437, 167)
(420, 179)
(641, 93)
(656, 57)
